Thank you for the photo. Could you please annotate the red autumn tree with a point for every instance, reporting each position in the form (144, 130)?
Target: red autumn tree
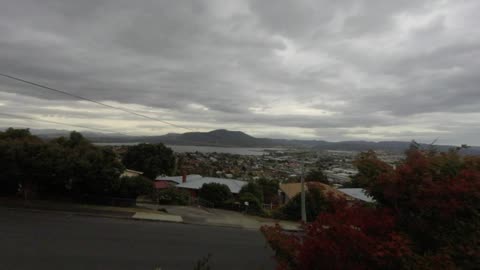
(436, 199)
(427, 217)
(369, 167)
(348, 237)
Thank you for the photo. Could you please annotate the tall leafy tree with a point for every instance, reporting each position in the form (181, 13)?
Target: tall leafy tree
(254, 189)
(132, 187)
(369, 167)
(151, 159)
(91, 170)
(215, 193)
(317, 175)
(61, 167)
(316, 202)
(269, 189)
(19, 152)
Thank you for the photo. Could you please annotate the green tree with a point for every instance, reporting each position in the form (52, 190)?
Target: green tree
(317, 175)
(132, 187)
(315, 203)
(369, 167)
(26, 161)
(151, 159)
(269, 189)
(92, 170)
(76, 139)
(15, 134)
(254, 204)
(215, 193)
(173, 196)
(253, 189)
(58, 168)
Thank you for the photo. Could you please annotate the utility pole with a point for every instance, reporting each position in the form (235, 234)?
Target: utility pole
(304, 212)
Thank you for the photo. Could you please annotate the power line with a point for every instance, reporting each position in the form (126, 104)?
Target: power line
(59, 123)
(93, 101)
(101, 104)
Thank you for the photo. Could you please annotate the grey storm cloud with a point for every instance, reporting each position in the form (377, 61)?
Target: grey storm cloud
(348, 69)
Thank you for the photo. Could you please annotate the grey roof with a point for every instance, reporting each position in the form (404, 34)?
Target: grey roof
(178, 179)
(197, 183)
(357, 193)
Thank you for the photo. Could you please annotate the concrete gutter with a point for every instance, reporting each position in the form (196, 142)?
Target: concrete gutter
(248, 223)
(157, 217)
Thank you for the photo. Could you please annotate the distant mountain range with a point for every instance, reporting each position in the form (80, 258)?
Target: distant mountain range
(226, 138)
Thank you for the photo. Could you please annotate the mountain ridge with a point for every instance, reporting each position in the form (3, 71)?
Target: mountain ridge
(228, 138)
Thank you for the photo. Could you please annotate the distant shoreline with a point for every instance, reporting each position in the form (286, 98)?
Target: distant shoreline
(248, 151)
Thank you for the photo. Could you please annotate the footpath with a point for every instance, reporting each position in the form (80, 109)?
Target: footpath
(151, 212)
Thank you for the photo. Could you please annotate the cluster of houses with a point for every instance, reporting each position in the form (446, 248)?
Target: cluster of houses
(193, 182)
(289, 190)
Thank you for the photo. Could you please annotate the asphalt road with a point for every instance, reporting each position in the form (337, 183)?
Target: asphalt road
(46, 240)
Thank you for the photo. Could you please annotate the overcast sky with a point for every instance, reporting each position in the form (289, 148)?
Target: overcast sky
(332, 70)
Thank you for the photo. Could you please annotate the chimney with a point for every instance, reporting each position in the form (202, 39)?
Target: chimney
(184, 177)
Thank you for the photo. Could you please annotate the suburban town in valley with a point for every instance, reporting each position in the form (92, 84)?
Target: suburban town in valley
(240, 134)
(285, 166)
(244, 189)
(282, 165)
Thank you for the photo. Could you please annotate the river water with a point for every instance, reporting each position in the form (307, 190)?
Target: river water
(211, 149)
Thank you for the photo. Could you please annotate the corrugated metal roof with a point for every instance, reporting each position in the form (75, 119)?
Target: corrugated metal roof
(197, 183)
(178, 179)
(357, 193)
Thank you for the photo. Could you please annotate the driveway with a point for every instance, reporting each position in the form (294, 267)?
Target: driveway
(219, 217)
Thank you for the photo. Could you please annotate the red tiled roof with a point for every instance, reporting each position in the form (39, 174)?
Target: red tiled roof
(161, 184)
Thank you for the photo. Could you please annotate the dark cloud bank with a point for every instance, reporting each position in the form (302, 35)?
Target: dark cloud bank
(333, 70)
